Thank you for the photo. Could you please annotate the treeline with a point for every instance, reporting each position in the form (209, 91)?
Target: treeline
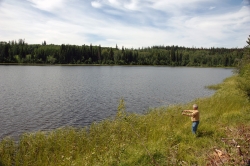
(21, 52)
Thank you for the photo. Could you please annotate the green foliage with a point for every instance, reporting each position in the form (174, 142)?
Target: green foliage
(248, 41)
(51, 59)
(213, 87)
(244, 71)
(155, 55)
(7, 151)
(121, 109)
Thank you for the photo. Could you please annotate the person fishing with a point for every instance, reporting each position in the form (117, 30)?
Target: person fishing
(195, 117)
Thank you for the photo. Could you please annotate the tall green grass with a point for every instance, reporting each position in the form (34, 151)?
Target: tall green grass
(160, 137)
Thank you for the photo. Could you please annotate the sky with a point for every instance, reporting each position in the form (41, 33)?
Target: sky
(128, 23)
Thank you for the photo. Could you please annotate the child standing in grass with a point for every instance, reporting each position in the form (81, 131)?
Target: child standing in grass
(195, 117)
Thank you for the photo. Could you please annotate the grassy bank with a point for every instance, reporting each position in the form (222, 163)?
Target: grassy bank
(160, 137)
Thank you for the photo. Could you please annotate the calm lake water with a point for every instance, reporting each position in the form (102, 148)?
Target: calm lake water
(34, 98)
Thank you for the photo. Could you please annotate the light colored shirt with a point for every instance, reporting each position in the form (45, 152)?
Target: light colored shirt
(194, 114)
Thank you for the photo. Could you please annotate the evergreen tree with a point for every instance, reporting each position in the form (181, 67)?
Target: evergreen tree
(248, 41)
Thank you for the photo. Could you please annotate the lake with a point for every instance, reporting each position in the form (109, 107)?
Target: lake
(34, 98)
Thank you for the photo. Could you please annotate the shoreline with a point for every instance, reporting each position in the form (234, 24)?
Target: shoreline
(37, 64)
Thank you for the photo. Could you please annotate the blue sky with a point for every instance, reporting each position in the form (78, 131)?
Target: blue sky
(128, 23)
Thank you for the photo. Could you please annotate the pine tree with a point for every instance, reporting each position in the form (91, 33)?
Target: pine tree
(248, 42)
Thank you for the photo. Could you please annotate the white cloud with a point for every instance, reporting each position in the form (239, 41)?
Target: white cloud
(129, 23)
(133, 5)
(47, 5)
(218, 27)
(211, 7)
(96, 4)
(115, 2)
(123, 5)
(175, 5)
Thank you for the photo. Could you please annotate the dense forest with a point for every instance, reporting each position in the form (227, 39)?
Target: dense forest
(21, 52)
